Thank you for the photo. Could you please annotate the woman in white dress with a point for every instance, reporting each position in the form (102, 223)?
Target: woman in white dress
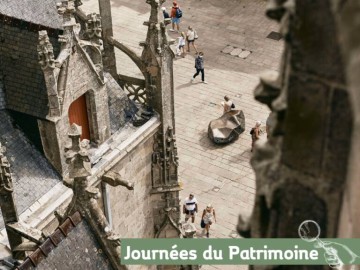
(208, 217)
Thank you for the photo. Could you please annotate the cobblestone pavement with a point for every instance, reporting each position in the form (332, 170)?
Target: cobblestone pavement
(220, 175)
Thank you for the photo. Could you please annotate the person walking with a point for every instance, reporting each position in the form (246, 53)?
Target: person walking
(191, 36)
(208, 217)
(165, 13)
(181, 45)
(199, 65)
(190, 207)
(175, 15)
(255, 134)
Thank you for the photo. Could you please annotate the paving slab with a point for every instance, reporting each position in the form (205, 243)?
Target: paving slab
(228, 49)
(236, 51)
(244, 54)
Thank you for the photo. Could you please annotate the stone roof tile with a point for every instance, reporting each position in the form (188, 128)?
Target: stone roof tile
(72, 246)
(41, 12)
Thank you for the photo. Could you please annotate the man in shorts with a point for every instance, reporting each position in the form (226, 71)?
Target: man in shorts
(190, 207)
(174, 19)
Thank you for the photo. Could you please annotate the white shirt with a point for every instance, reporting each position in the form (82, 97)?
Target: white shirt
(181, 41)
(208, 217)
(190, 34)
(227, 105)
(190, 204)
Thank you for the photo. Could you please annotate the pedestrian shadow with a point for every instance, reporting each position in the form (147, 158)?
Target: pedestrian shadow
(200, 233)
(243, 157)
(181, 86)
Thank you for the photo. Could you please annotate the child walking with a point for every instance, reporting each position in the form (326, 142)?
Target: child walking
(181, 45)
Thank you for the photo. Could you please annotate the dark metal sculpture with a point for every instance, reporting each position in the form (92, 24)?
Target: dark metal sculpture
(227, 128)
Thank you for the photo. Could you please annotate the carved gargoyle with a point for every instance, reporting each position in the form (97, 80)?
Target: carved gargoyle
(114, 179)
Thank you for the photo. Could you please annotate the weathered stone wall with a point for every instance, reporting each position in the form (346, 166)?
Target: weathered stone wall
(23, 78)
(347, 14)
(2, 94)
(301, 171)
(132, 210)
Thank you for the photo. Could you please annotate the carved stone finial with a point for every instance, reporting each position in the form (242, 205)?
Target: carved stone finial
(93, 26)
(78, 3)
(77, 155)
(45, 51)
(67, 9)
(154, 13)
(5, 175)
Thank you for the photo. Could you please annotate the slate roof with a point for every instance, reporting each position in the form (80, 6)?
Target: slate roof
(121, 108)
(72, 246)
(23, 78)
(41, 12)
(32, 174)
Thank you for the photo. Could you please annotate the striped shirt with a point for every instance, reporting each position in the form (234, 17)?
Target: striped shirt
(190, 204)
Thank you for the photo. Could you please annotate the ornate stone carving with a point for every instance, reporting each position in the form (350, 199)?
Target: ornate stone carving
(114, 179)
(158, 58)
(85, 199)
(93, 26)
(45, 51)
(78, 3)
(165, 161)
(156, 28)
(157, 163)
(76, 154)
(7, 204)
(67, 9)
(48, 65)
(171, 157)
(136, 92)
(5, 174)
(156, 169)
(168, 220)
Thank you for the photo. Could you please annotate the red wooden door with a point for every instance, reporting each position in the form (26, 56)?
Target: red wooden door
(78, 115)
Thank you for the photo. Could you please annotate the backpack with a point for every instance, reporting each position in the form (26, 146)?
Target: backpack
(233, 106)
(252, 131)
(178, 13)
